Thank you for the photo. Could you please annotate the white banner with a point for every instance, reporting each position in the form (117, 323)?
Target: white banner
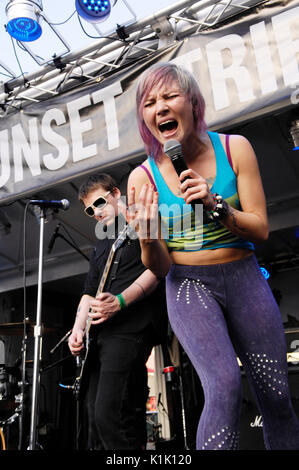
(242, 68)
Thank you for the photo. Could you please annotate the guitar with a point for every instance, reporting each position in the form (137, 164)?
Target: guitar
(82, 360)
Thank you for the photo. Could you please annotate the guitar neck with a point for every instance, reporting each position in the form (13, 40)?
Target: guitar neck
(105, 273)
(100, 288)
(116, 245)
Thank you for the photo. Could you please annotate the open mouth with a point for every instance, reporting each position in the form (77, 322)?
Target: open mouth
(167, 126)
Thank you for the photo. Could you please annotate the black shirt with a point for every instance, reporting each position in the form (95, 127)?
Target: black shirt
(151, 310)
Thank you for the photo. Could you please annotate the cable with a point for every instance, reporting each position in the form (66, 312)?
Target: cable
(5, 75)
(2, 439)
(100, 37)
(68, 233)
(16, 56)
(25, 50)
(65, 21)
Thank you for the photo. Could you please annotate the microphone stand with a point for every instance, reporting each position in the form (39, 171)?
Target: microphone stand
(38, 335)
(23, 389)
(37, 340)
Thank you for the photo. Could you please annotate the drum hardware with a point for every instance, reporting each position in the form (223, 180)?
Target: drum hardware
(64, 338)
(17, 329)
(10, 408)
(70, 387)
(8, 389)
(7, 422)
(25, 329)
(11, 419)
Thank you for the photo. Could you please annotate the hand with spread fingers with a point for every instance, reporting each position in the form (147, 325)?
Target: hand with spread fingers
(143, 215)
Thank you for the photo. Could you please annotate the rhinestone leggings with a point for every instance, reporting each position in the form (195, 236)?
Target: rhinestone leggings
(218, 313)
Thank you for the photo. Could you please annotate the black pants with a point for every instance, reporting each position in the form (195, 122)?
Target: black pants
(117, 391)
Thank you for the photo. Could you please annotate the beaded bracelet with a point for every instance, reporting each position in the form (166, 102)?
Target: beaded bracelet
(121, 300)
(219, 210)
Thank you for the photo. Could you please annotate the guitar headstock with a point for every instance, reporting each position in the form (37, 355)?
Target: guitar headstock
(126, 232)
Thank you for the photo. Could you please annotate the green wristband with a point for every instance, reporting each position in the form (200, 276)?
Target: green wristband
(121, 300)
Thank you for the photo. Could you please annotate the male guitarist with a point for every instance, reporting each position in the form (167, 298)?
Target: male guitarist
(127, 319)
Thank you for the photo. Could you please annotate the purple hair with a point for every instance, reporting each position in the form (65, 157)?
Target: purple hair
(163, 74)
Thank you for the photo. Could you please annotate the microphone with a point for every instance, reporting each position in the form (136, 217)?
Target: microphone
(173, 150)
(62, 204)
(53, 238)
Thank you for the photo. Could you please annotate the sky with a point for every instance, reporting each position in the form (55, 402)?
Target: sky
(58, 39)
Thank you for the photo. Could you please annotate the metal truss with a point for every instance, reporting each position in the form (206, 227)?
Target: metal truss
(105, 56)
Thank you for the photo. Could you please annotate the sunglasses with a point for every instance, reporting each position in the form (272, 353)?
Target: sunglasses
(99, 203)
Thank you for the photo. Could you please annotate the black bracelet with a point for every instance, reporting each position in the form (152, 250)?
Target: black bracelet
(220, 209)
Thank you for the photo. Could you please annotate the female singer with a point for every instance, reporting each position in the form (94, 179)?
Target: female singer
(219, 304)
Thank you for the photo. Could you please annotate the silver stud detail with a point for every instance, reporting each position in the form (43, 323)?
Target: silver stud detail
(201, 290)
(269, 376)
(222, 439)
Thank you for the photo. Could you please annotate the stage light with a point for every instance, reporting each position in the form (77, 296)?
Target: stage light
(23, 19)
(294, 131)
(265, 273)
(94, 11)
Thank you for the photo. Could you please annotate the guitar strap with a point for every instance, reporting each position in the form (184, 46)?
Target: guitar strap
(114, 268)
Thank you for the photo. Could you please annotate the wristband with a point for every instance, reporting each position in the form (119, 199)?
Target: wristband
(121, 300)
(220, 209)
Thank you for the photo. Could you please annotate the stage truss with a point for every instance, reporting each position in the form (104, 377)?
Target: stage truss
(127, 44)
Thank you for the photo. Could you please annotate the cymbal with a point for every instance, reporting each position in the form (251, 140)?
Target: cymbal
(17, 329)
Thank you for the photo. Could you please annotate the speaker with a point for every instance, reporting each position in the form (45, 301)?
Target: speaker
(251, 424)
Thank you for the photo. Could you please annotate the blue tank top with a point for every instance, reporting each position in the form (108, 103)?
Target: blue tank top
(178, 219)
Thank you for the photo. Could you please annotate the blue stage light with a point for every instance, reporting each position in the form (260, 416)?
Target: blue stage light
(94, 11)
(23, 19)
(265, 273)
(24, 29)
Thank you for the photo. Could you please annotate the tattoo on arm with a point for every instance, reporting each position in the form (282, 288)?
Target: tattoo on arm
(232, 213)
(78, 311)
(210, 180)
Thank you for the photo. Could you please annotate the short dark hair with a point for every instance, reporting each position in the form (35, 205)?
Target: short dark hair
(95, 181)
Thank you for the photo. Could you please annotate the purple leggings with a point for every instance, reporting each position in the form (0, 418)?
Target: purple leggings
(220, 312)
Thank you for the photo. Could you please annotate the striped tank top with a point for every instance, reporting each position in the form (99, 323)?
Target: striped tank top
(180, 223)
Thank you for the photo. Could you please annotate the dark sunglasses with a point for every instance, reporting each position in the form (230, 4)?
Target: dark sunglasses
(99, 203)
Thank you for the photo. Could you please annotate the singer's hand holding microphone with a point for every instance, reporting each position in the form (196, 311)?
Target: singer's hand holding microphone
(194, 188)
